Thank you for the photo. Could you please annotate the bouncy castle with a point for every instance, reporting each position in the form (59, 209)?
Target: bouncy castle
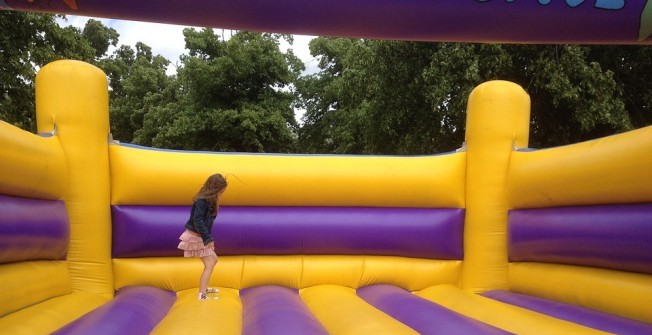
(494, 238)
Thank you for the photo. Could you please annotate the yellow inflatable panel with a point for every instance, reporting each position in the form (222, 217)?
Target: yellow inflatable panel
(272, 270)
(27, 283)
(48, 316)
(72, 100)
(621, 293)
(409, 273)
(175, 274)
(508, 317)
(359, 271)
(191, 316)
(611, 170)
(337, 270)
(342, 312)
(32, 166)
(497, 120)
(288, 180)
(238, 272)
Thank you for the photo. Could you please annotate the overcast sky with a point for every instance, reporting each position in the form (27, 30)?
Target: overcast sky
(167, 39)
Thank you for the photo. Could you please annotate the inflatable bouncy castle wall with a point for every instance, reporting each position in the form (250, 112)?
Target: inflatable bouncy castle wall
(492, 239)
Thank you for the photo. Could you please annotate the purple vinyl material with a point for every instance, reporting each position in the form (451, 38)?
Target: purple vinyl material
(576, 21)
(426, 317)
(135, 310)
(141, 231)
(576, 314)
(32, 229)
(616, 237)
(276, 310)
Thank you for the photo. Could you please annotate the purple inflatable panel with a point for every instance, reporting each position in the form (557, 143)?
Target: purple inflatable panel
(276, 310)
(587, 317)
(32, 229)
(141, 231)
(135, 310)
(426, 317)
(531, 21)
(148, 231)
(615, 237)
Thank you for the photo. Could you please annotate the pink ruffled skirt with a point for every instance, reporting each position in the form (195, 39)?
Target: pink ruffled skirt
(193, 246)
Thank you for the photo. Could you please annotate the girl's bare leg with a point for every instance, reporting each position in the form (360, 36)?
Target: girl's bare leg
(209, 265)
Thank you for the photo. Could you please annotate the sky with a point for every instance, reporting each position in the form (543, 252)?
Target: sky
(167, 39)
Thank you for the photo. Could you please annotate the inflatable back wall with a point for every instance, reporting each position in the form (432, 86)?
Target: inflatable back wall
(490, 239)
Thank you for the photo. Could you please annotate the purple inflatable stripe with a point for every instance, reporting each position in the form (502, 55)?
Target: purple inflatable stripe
(605, 22)
(587, 317)
(32, 229)
(426, 317)
(275, 310)
(141, 231)
(135, 310)
(614, 237)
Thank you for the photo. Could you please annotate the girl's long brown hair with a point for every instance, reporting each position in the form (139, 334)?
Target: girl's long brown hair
(211, 189)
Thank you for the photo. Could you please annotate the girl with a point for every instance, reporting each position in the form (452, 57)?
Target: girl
(197, 241)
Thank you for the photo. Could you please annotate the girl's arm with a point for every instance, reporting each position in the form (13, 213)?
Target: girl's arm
(200, 213)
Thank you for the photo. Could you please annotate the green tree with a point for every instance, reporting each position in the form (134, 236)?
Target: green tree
(28, 42)
(100, 37)
(233, 96)
(139, 84)
(389, 97)
(631, 66)
(573, 97)
(333, 123)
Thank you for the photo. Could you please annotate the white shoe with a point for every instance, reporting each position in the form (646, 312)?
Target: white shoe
(212, 290)
(203, 296)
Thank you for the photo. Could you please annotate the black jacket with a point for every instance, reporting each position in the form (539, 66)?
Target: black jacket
(201, 220)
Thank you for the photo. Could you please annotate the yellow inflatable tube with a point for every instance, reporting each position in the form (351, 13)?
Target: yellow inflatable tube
(610, 170)
(508, 317)
(615, 292)
(41, 158)
(295, 271)
(332, 305)
(73, 102)
(498, 120)
(173, 177)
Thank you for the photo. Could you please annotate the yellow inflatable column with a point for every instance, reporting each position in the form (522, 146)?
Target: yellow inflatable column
(498, 119)
(72, 101)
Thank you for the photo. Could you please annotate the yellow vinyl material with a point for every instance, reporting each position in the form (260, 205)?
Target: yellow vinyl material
(32, 166)
(610, 170)
(241, 272)
(511, 318)
(50, 315)
(342, 312)
(497, 121)
(288, 180)
(621, 293)
(191, 316)
(27, 283)
(72, 101)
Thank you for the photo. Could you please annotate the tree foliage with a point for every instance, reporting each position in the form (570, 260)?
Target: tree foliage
(28, 42)
(232, 96)
(389, 97)
(100, 37)
(227, 95)
(139, 84)
(369, 97)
